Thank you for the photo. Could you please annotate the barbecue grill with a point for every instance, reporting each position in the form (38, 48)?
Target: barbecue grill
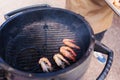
(35, 32)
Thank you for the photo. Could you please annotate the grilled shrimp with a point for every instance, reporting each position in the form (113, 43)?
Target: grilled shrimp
(68, 52)
(60, 60)
(70, 43)
(45, 64)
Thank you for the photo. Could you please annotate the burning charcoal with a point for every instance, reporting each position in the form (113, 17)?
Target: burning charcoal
(45, 64)
(70, 43)
(68, 52)
(60, 60)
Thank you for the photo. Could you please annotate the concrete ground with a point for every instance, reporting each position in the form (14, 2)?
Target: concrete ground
(111, 38)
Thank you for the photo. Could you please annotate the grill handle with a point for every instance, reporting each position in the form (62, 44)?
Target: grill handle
(18, 11)
(105, 50)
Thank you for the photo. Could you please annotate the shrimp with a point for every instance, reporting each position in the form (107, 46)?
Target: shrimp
(45, 64)
(68, 52)
(60, 60)
(70, 43)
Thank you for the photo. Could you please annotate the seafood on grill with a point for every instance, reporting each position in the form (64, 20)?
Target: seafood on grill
(45, 64)
(116, 2)
(60, 60)
(68, 52)
(70, 43)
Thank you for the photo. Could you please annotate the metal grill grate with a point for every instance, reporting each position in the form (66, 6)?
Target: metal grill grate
(35, 41)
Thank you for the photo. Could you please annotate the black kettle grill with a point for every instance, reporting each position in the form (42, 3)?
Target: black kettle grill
(34, 32)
